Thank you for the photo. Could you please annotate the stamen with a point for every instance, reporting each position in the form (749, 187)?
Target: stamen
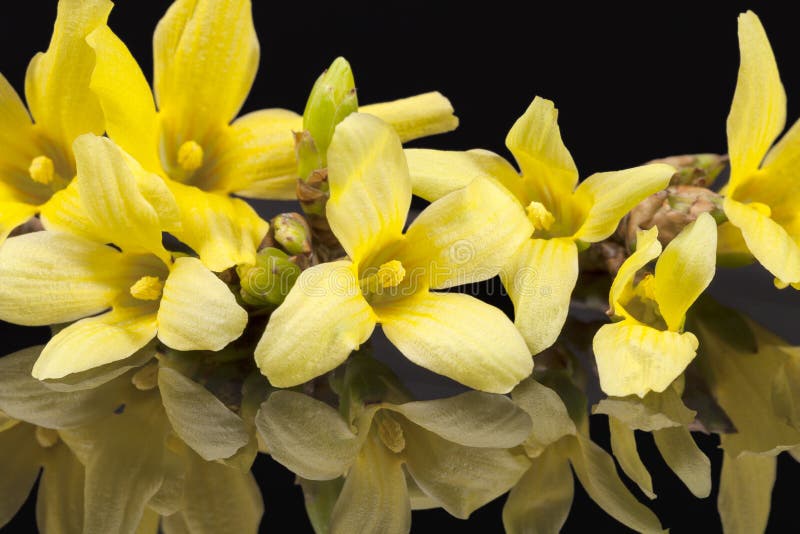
(46, 437)
(390, 432)
(42, 170)
(646, 288)
(390, 274)
(147, 288)
(539, 216)
(190, 156)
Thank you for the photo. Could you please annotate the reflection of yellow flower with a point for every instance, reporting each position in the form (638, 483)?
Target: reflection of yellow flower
(542, 273)
(55, 277)
(36, 159)
(648, 349)
(763, 196)
(464, 237)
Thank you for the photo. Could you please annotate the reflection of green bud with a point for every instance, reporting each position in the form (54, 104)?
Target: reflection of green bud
(268, 281)
(292, 233)
(332, 99)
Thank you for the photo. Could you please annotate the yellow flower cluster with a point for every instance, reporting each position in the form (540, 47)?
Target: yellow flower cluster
(178, 312)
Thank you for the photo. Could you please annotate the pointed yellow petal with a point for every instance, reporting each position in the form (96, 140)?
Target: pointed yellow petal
(306, 435)
(535, 141)
(50, 278)
(258, 158)
(21, 463)
(57, 81)
(199, 418)
(745, 492)
(623, 445)
(466, 236)
(633, 359)
(758, 112)
(539, 503)
(416, 116)
(685, 269)
(223, 231)
(685, 458)
(323, 319)
(460, 337)
(64, 212)
(539, 279)
(124, 94)
(612, 195)
(12, 214)
(96, 341)
(205, 59)
(647, 249)
(198, 310)
(435, 173)
(59, 502)
(374, 499)
(369, 185)
(772, 246)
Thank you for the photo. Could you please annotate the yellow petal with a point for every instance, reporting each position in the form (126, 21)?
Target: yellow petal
(59, 502)
(551, 421)
(12, 214)
(323, 319)
(124, 94)
(460, 337)
(374, 498)
(732, 250)
(370, 190)
(57, 81)
(109, 192)
(199, 418)
(96, 341)
(612, 195)
(758, 112)
(653, 412)
(51, 278)
(745, 492)
(466, 236)
(21, 463)
(685, 269)
(258, 157)
(307, 436)
(623, 445)
(772, 246)
(685, 458)
(205, 59)
(198, 311)
(647, 249)
(633, 359)
(539, 503)
(535, 141)
(416, 116)
(539, 279)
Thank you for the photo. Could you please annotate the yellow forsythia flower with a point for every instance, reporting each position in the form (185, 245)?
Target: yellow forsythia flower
(542, 274)
(123, 295)
(762, 198)
(464, 237)
(647, 350)
(36, 160)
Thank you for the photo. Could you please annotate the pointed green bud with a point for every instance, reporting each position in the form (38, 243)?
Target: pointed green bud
(268, 281)
(332, 98)
(292, 233)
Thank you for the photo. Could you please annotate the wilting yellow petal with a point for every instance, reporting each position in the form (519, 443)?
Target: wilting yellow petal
(460, 337)
(416, 116)
(539, 503)
(50, 278)
(12, 214)
(57, 81)
(539, 278)
(369, 185)
(633, 359)
(612, 195)
(205, 59)
(124, 94)
(258, 157)
(97, 341)
(199, 418)
(323, 319)
(306, 435)
(685, 268)
(685, 458)
(22, 459)
(758, 112)
(374, 499)
(623, 445)
(59, 502)
(647, 249)
(466, 236)
(745, 492)
(223, 231)
(198, 310)
(535, 141)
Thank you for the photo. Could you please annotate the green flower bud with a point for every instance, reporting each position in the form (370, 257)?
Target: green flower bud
(292, 233)
(268, 281)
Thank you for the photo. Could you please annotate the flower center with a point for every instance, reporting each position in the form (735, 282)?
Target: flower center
(389, 275)
(539, 216)
(190, 156)
(147, 288)
(46, 437)
(42, 170)
(390, 432)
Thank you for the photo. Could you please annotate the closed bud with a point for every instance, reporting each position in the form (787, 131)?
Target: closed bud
(268, 281)
(291, 233)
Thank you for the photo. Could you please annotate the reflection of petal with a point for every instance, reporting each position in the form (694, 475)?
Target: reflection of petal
(22, 458)
(623, 445)
(685, 458)
(59, 503)
(745, 491)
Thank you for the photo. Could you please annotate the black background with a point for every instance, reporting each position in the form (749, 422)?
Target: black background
(632, 84)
